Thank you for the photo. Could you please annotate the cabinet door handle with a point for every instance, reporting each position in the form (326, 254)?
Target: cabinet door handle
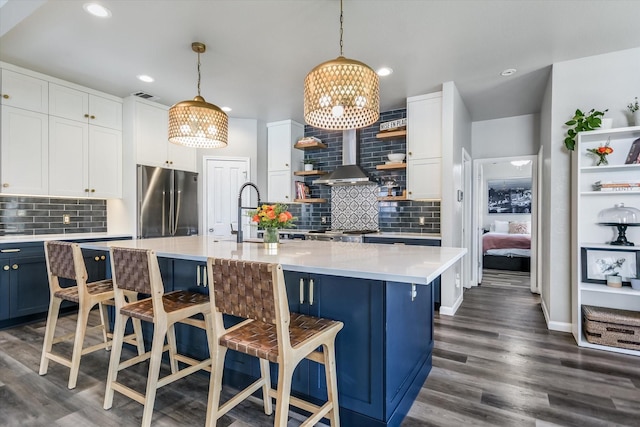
(93, 117)
(197, 275)
(410, 153)
(103, 257)
(301, 291)
(286, 197)
(205, 277)
(171, 162)
(97, 258)
(86, 190)
(310, 291)
(410, 192)
(5, 96)
(5, 268)
(5, 185)
(14, 266)
(286, 164)
(93, 190)
(414, 292)
(4, 251)
(86, 116)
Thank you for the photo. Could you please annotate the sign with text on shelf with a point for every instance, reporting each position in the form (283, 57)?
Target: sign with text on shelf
(393, 124)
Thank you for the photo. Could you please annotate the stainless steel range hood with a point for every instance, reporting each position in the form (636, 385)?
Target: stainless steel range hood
(349, 173)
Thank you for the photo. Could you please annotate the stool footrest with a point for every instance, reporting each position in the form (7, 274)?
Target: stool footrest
(95, 347)
(129, 392)
(231, 403)
(190, 361)
(59, 359)
(183, 373)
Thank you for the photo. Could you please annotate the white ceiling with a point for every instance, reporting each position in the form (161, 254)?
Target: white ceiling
(259, 51)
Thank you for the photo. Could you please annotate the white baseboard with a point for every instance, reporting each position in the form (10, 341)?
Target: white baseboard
(554, 326)
(450, 311)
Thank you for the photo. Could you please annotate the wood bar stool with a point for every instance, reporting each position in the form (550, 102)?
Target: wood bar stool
(64, 260)
(137, 270)
(256, 292)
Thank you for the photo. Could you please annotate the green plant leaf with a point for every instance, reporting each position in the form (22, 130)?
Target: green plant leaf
(570, 123)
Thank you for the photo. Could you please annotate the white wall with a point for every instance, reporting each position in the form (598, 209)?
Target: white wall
(507, 137)
(456, 134)
(604, 81)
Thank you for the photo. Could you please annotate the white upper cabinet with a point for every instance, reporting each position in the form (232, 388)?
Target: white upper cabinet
(26, 92)
(24, 152)
(105, 163)
(283, 159)
(150, 132)
(424, 146)
(84, 107)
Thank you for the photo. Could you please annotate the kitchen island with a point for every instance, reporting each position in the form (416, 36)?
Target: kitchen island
(382, 293)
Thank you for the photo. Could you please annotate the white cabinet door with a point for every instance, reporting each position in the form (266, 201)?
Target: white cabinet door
(151, 130)
(105, 112)
(424, 179)
(68, 103)
(68, 152)
(105, 162)
(26, 92)
(424, 126)
(24, 152)
(279, 187)
(181, 157)
(279, 146)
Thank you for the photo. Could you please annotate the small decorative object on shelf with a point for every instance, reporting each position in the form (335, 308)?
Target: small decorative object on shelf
(614, 281)
(394, 124)
(601, 152)
(621, 217)
(634, 107)
(581, 122)
(308, 164)
(633, 158)
(271, 218)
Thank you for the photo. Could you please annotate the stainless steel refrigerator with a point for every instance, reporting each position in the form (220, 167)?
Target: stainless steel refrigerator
(167, 202)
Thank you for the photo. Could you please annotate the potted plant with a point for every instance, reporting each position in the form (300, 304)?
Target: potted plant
(582, 122)
(309, 164)
(634, 107)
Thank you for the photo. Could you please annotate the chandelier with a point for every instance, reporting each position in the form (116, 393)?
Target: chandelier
(341, 93)
(197, 123)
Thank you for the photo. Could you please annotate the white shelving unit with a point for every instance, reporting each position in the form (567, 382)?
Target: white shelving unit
(587, 233)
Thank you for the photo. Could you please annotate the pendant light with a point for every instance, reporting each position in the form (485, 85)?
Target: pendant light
(197, 123)
(341, 93)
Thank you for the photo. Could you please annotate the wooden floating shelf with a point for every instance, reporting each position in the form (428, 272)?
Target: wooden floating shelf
(310, 200)
(392, 134)
(391, 198)
(307, 173)
(311, 146)
(392, 166)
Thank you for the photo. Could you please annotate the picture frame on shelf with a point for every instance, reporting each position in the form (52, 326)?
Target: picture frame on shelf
(633, 158)
(597, 263)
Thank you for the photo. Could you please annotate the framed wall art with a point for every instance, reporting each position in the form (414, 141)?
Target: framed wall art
(597, 263)
(512, 195)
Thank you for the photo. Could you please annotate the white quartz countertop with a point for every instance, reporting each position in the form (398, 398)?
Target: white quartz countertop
(72, 236)
(383, 234)
(396, 263)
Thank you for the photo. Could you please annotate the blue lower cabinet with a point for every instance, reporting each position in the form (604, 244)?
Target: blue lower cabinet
(96, 264)
(29, 286)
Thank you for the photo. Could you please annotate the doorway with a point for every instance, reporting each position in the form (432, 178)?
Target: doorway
(223, 177)
(505, 219)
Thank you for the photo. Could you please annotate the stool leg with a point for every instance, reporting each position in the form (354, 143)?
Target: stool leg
(285, 374)
(215, 384)
(49, 332)
(104, 319)
(332, 382)
(159, 332)
(266, 377)
(114, 361)
(81, 329)
(173, 348)
(137, 327)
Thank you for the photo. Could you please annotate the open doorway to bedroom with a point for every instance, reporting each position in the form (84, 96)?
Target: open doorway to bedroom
(505, 219)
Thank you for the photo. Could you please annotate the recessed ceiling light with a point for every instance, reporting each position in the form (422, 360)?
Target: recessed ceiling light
(508, 72)
(384, 71)
(145, 78)
(226, 109)
(97, 10)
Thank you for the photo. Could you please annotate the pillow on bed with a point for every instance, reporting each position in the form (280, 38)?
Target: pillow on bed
(519, 227)
(501, 226)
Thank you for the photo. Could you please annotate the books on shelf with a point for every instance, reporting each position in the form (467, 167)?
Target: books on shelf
(308, 140)
(302, 191)
(616, 186)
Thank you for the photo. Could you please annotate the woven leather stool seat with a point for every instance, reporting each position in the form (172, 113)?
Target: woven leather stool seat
(94, 288)
(64, 260)
(256, 292)
(173, 301)
(260, 339)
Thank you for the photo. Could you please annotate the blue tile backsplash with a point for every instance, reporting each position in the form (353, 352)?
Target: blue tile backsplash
(396, 216)
(23, 215)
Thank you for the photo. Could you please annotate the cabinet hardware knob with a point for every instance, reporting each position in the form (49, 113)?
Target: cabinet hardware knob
(410, 192)
(286, 164)
(97, 258)
(171, 162)
(5, 96)
(86, 190)
(310, 291)
(5, 268)
(14, 266)
(5, 185)
(301, 291)
(211, 230)
(86, 116)
(410, 153)
(166, 162)
(93, 117)
(103, 257)
(286, 197)
(93, 190)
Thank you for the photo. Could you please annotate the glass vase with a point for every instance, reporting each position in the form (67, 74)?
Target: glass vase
(271, 238)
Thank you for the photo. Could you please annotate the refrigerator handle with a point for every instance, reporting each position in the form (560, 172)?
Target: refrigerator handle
(164, 211)
(171, 213)
(176, 217)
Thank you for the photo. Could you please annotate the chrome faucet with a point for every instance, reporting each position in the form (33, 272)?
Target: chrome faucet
(240, 208)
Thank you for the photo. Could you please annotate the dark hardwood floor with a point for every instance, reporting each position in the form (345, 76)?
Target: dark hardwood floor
(495, 364)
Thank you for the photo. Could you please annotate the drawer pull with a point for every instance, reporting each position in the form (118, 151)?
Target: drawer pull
(301, 291)
(103, 257)
(310, 291)
(197, 275)
(205, 276)
(97, 258)
(93, 117)
(6, 251)
(5, 185)
(5, 96)
(86, 116)
(14, 266)
(5, 268)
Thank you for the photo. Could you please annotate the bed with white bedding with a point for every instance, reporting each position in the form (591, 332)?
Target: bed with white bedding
(510, 250)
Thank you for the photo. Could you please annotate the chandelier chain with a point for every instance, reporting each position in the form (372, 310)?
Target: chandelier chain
(341, 22)
(198, 73)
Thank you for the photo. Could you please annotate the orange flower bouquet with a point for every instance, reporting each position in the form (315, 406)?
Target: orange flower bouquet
(271, 218)
(602, 152)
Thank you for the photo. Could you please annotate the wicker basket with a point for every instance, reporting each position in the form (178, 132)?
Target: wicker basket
(612, 327)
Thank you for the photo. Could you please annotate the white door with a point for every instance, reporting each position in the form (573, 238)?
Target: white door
(223, 179)
(477, 226)
(464, 197)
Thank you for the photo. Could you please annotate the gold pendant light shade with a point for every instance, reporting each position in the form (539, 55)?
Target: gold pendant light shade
(341, 94)
(196, 123)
